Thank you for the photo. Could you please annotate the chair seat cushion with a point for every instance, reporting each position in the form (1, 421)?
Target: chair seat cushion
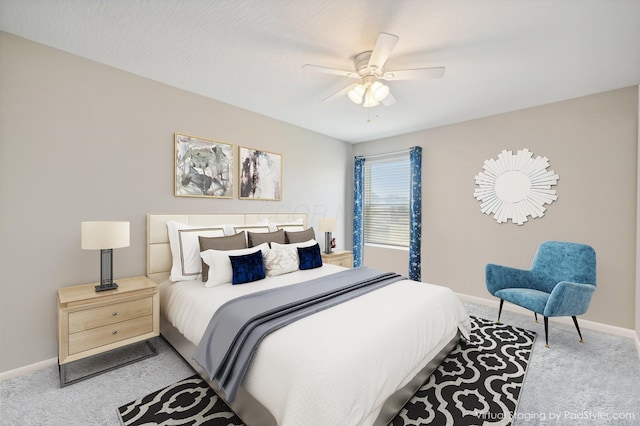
(534, 300)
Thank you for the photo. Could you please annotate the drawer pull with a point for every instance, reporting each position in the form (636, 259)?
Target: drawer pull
(114, 332)
(113, 314)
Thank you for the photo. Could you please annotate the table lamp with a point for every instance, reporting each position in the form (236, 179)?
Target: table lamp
(327, 225)
(105, 236)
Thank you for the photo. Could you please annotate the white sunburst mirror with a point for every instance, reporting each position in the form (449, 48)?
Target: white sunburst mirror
(515, 186)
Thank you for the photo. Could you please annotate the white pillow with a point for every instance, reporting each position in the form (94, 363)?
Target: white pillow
(220, 270)
(250, 228)
(293, 226)
(281, 260)
(262, 226)
(185, 248)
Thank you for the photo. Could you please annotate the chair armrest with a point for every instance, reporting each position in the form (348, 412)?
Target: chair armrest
(498, 277)
(569, 299)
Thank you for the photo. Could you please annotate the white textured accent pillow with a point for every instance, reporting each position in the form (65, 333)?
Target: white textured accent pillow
(185, 248)
(281, 260)
(220, 269)
(294, 247)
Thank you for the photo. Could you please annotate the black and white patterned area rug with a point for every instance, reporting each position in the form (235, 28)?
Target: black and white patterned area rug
(477, 384)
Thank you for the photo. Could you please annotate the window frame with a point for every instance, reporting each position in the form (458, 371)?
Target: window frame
(370, 237)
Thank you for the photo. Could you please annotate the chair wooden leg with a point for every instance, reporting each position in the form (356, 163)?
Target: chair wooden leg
(575, 321)
(500, 311)
(546, 332)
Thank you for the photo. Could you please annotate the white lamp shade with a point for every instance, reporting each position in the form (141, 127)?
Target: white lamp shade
(356, 93)
(379, 90)
(104, 235)
(327, 224)
(369, 99)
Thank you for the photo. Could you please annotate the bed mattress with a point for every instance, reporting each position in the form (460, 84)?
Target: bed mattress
(337, 366)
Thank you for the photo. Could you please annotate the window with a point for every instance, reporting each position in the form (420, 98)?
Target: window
(392, 212)
(387, 190)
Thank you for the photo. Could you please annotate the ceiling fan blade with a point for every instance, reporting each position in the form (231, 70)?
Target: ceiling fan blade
(325, 70)
(385, 44)
(389, 100)
(340, 93)
(414, 74)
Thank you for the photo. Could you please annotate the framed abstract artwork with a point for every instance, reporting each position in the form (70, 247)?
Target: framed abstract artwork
(260, 174)
(203, 167)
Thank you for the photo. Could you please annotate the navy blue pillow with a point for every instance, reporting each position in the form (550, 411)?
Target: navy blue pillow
(310, 257)
(247, 268)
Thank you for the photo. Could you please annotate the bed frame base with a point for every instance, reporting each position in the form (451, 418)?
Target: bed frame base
(399, 399)
(245, 406)
(253, 413)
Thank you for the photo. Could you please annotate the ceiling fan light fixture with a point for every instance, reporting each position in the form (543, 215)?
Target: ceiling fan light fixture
(356, 94)
(369, 66)
(369, 99)
(379, 90)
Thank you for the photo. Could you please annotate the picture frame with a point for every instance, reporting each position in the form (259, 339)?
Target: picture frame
(259, 174)
(203, 167)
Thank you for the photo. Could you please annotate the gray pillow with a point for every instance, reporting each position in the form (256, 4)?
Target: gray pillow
(300, 236)
(257, 238)
(233, 242)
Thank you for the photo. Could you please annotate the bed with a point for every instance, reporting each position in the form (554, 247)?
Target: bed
(356, 363)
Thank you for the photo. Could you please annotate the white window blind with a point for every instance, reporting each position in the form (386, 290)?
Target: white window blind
(387, 186)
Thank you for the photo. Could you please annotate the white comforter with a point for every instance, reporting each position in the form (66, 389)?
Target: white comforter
(338, 366)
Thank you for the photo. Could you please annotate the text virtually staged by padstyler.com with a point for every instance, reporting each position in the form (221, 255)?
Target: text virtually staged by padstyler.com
(585, 415)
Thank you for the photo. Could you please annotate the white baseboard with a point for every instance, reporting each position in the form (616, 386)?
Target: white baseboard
(6, 375)
(592, 325)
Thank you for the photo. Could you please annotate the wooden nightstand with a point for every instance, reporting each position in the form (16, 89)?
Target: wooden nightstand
(338, 257)
(91, 323)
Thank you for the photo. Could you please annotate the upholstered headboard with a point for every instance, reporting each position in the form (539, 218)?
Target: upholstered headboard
(159, 251)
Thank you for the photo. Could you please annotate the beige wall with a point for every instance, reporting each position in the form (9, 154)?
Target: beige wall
(591, 142)
(638, 241)
(83, 141)
(385, 259)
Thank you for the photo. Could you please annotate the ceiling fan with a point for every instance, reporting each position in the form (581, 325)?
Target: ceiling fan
(369, 70)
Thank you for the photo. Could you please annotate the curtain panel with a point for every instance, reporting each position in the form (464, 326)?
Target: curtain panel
(358, 210)
(415, 212)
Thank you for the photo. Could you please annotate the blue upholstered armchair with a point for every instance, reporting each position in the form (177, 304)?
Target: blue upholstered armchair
(561, 281)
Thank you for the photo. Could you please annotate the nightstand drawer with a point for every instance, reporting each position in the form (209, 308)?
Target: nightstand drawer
(97, 317)
(347, 262)
(100, 336)
(340, 258)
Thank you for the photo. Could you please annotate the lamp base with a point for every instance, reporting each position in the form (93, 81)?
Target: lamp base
(106, 271)
(327, 243)
(106, 286)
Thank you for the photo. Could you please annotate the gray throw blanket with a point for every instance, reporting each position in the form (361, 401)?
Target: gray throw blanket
(238, 326)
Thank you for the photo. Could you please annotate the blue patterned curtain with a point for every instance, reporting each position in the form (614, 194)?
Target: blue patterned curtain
(415, 214)
(358, 215)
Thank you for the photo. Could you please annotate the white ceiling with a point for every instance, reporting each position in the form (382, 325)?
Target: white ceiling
(499, 55)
